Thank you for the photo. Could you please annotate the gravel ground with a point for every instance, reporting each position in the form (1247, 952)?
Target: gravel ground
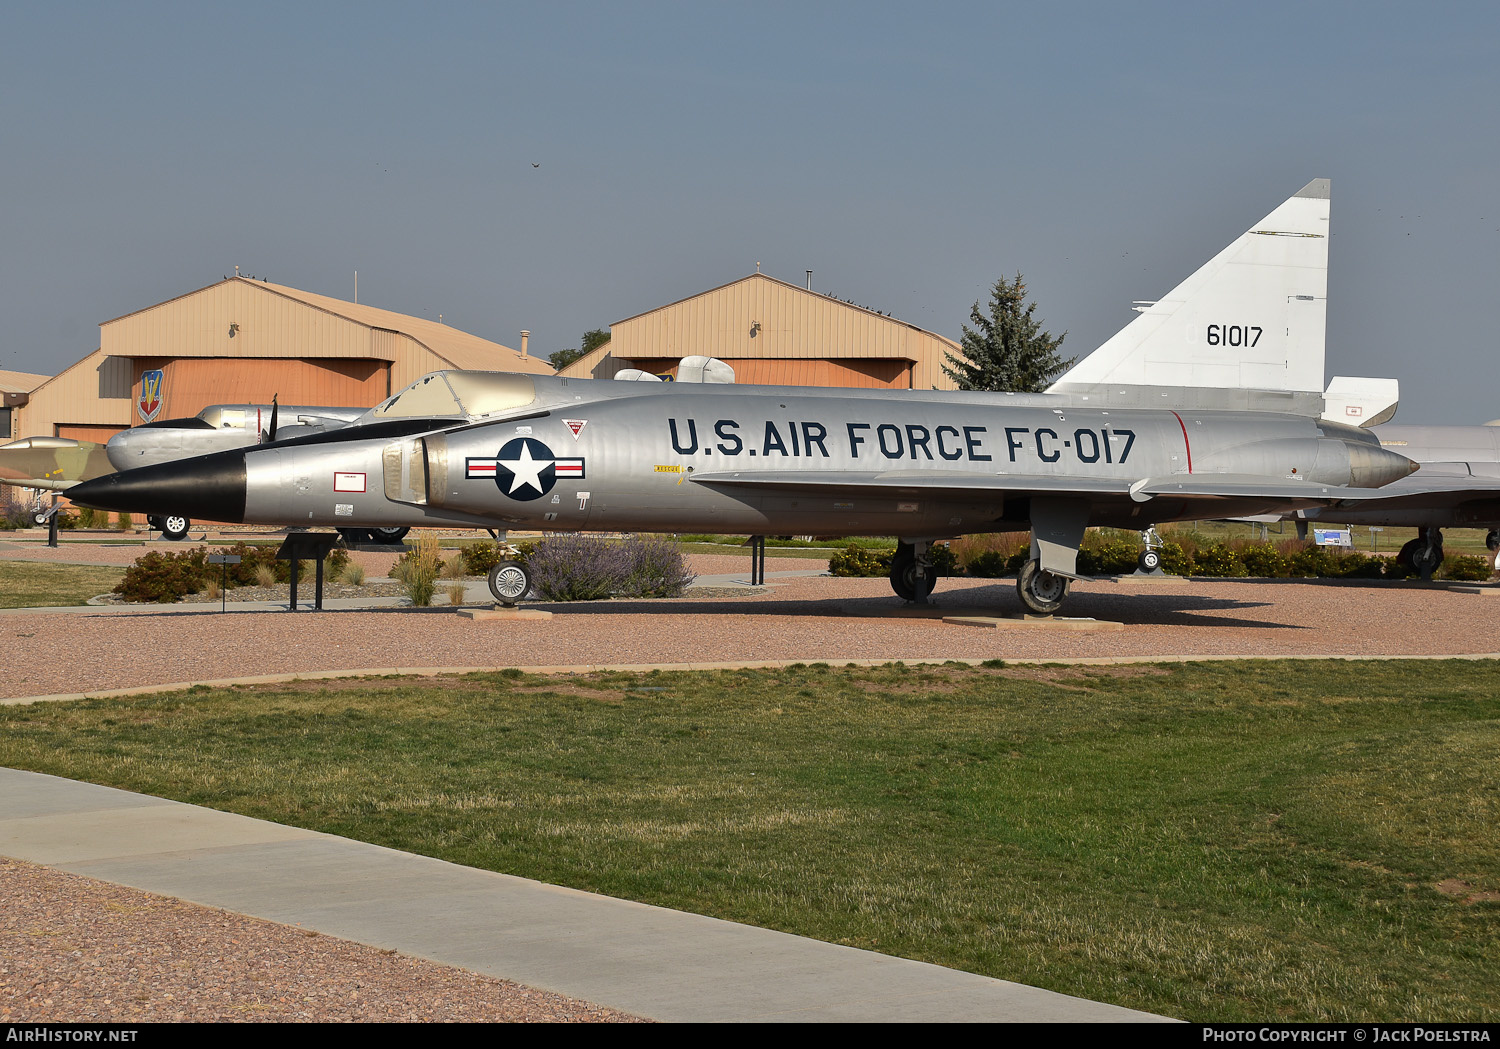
(798, 619)
(53, 965)
(76, 950)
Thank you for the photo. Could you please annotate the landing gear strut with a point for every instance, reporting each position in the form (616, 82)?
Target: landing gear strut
(912, 576)
(1040, 591)
(1425, 552)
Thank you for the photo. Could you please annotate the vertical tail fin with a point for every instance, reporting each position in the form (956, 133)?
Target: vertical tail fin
(1245, 330)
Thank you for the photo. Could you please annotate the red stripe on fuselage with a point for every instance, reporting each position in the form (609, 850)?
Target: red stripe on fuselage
(1185, 443)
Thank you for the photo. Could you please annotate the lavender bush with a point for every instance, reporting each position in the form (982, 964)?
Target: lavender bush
(657, 568)
(588, 568)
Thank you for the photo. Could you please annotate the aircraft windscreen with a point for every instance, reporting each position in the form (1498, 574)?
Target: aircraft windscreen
(459, 393)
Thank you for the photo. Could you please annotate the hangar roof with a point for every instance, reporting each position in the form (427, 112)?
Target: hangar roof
(456, 348)
(20, 382)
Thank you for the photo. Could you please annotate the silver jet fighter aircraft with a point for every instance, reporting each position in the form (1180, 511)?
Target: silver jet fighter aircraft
(1458, 487)
(1204, 406)
(568, 455)
(219, 427)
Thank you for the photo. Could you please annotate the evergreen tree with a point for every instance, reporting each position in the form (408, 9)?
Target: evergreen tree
(1007, 350)
(592, 340)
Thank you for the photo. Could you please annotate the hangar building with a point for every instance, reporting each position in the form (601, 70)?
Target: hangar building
(775, 333)
(242, 341)
(15, 391)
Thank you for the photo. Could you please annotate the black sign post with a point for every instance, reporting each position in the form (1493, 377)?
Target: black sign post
(223, 561)
(307, 546)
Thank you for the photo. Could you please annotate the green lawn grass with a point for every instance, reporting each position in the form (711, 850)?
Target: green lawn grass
(31, 584)
(1227, 841)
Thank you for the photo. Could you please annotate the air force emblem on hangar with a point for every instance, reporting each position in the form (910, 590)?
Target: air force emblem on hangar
(524, 468)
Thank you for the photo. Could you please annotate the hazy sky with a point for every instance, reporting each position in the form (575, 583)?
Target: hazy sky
(907, 154)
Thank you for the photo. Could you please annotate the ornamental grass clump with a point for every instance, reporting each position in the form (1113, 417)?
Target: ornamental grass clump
(418, 569)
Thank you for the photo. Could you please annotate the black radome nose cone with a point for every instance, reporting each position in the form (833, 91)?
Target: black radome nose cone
(208, 488)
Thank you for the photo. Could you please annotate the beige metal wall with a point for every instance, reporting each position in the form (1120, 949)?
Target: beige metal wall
(191, 384)
(764, 319)
(96, 391)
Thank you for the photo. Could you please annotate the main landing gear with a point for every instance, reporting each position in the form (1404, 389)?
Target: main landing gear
(912, 576)
(1425, 552)
(1041, 591)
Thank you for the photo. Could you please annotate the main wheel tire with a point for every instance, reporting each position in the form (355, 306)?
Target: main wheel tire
(1040, 591)
(174, 527)
(510, 581)
(1492, 540)
(1149, 561)
(40, 517)
(1407, 555)
(904, 573)
(388, 535)
(354, 535)
(1426, 559)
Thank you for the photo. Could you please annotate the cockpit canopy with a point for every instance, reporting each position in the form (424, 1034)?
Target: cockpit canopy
(471, 395)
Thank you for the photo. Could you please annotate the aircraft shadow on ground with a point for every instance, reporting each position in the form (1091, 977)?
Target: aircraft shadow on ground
(1174, 610)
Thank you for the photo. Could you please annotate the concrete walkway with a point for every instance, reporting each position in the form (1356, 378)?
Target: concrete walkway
(654, 962)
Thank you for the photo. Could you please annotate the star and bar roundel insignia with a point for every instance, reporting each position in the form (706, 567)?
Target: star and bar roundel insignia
(524, 468)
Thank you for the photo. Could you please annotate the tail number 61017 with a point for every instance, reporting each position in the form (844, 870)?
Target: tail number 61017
(1233, 335)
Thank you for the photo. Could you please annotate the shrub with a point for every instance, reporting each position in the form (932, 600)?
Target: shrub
(1110, 556)
(1471, 567)
(165, 577)
(1174, 559)
(944, 560)
(1264, 560)
(456, 594)
(988, 564)
(578, 567)
(124, 523)
(1217, 560)
(656, 568)
(589, 568)
(353, 573)
(453, 568)
(859, 562)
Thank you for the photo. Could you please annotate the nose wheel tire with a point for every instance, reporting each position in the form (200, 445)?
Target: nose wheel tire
(509, 582)
(174, 527)
(1040, 591)
(1149, 561)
